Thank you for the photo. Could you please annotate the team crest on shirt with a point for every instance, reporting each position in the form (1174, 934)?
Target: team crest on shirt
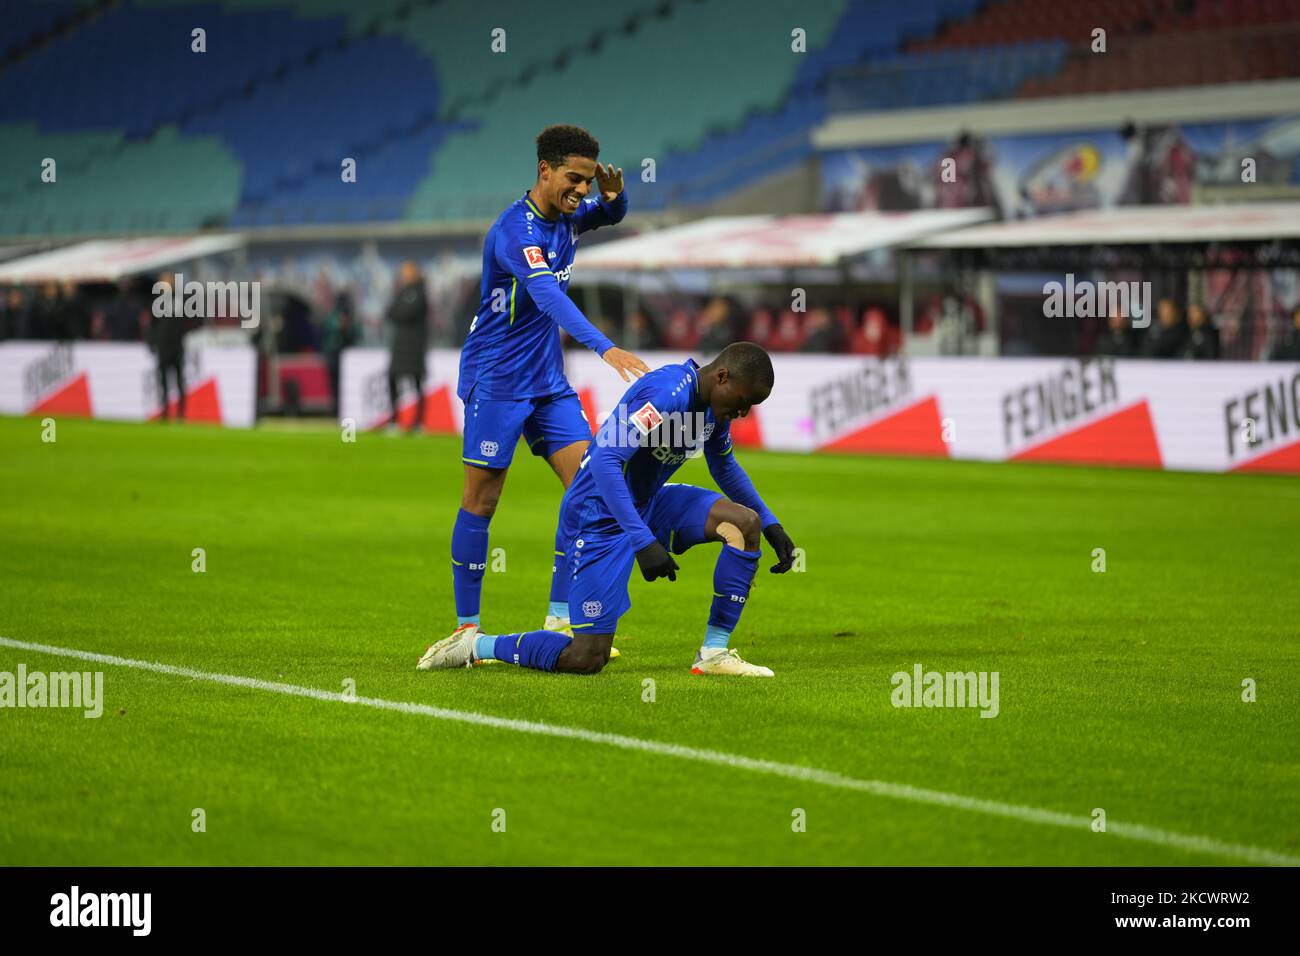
(488, 448)
(591, 608)
(535, 256)
(707, 433)
(647, 418)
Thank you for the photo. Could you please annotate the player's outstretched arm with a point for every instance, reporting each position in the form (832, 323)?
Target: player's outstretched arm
(527, 263)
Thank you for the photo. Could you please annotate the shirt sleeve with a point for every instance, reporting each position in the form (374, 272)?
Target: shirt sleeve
(720, 454)
(615, 444)
(594, 213)
(526, 261)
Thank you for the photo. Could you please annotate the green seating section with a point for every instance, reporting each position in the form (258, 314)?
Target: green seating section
(166, 183)
(726, 60)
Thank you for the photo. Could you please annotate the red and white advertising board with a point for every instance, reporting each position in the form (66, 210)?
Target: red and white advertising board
(120, 381)
(1196, 416)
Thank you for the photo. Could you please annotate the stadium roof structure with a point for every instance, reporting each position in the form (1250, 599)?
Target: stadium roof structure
(106, 260)
(1132, 224)
(1238, 234)
(782, 242)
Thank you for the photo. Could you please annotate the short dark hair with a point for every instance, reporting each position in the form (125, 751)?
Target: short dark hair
(557, 143)
(748, 362)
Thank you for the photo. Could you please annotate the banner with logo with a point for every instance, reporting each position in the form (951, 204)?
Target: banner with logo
(1219, 416)
(120, 381)
(1035, 174)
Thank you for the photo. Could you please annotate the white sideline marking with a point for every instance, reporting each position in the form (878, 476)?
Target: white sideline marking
(879, 788)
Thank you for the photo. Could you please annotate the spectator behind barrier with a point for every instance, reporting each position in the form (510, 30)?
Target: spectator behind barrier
(1169, 336)
(1287, 348)
(1117, 339)
(1202, 337)
(821, 333)
(339, 332)
(409, 317)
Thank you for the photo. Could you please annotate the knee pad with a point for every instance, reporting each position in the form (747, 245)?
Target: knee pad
(731, 535)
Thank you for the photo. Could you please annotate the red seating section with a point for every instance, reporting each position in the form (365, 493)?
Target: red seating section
(1149, 43)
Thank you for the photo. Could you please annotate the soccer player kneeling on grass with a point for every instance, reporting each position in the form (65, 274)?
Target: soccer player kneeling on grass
(620, 508)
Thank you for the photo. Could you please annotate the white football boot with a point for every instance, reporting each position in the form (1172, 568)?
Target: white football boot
(562, 625)
(725, 660)
(457, 650)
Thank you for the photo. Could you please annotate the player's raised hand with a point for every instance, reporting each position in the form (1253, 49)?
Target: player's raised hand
(782, 545)
(609, 181)
(656, 562)
(624, 363)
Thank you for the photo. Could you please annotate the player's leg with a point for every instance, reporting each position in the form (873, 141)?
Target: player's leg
(552, 651)
(492, 430)
(564, 462)
(683, 516)
(559, 432)
(740, 531)
(600, 567)
(556, 651)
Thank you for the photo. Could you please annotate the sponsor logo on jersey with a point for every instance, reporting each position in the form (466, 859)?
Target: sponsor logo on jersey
(647, 418)
(488, 448)
(665, 455)
(708, 432)
(536, 258)
(550, 254)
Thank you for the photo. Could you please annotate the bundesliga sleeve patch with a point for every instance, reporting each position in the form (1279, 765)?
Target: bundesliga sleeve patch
(536, 258)
(647, 418)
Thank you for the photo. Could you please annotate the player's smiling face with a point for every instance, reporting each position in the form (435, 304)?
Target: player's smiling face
(568, 184)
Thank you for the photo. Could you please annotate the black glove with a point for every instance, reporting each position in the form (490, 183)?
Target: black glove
(782, 545)
(656, 562)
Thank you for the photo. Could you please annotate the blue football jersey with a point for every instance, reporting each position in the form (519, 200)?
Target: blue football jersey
(513, 347)
(660, 422)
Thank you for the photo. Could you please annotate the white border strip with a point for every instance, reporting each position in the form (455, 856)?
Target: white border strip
(879, 788)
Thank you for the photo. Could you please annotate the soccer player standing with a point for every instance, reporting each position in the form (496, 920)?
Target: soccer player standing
(620, 509)
(512, 368)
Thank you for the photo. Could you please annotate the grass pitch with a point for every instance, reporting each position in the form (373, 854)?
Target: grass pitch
(328, 562)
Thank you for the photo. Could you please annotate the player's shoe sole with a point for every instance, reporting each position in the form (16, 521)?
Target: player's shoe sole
(728, 664)
(455, 650)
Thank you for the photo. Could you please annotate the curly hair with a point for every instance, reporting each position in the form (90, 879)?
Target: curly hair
(556, 143)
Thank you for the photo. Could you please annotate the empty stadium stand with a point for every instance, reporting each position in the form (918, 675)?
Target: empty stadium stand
(253, 131)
